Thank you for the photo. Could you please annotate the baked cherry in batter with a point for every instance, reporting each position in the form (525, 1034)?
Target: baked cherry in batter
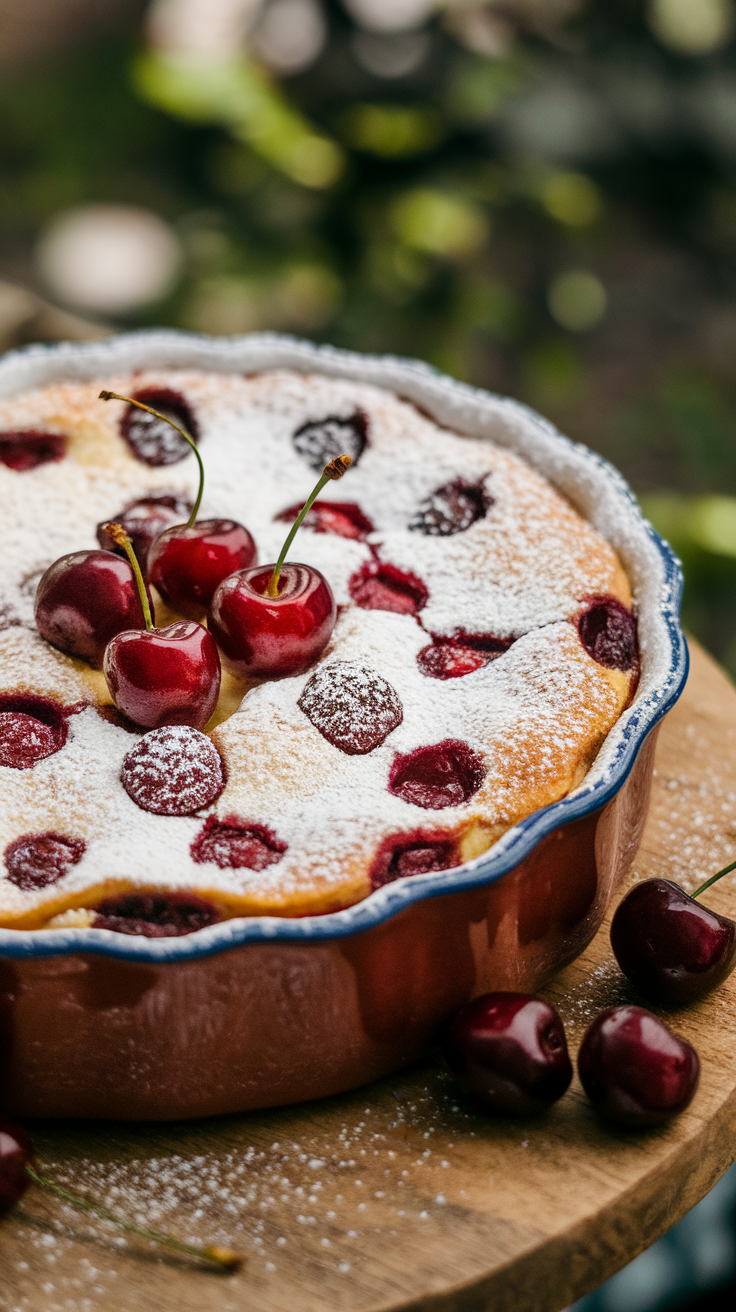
(510, 1053)
(161, 676)
(187, 561)
(668, 945)
(635, 1070)
(275, 620)
(83, 600)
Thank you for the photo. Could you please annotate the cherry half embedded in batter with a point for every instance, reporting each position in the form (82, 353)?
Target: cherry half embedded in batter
(344, 519)
(452, 509)
(155, 915)
(152, 426)
(444, 774)
(635, 1071)
(608, 633)
(402, 855)
(510, 1053)
(321, 440)
(352, 706)
(28, 448)
(161, 676)
(461, 653)
(83, 600)
(235, 844)
(37, 860)
(188, 561)
(379, 586)
(669, 946)
(143, 521)
(173, 771)
(272, 621)
(18, 1169)
(31, 728)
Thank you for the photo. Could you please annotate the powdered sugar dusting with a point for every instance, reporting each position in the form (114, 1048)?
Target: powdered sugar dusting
(535, 715)
(173, 771)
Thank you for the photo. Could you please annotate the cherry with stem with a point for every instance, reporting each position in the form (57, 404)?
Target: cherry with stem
(273, 621)
(186, 562)
(161, 677)
(668, 945)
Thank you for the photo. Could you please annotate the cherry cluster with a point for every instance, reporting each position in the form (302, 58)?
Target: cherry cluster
(509, 1049)
(268, 621)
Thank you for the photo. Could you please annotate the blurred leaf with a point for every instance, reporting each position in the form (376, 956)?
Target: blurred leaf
(393, 131)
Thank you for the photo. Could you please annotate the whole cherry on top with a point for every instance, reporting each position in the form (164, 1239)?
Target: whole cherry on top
(83, 600)
(188, 561)
(669, 946)
(18, 1169)
(165, 676)
(274, 620)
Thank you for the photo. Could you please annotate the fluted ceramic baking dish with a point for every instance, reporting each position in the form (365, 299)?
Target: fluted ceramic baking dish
(261, 1011)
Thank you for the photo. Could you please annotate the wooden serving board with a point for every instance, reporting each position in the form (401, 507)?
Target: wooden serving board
(399, 1196)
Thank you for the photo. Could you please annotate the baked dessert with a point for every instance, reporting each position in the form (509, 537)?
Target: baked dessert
(485, 646)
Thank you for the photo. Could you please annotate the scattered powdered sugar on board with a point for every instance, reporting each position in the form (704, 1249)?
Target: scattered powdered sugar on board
(520, 570)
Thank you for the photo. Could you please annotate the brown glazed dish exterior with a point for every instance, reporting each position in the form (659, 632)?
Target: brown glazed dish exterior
(272, 1023)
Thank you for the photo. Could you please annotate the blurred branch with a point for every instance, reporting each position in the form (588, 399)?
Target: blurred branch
(25, 317)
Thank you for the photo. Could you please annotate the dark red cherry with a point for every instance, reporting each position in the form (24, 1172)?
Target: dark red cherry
(377, 586)
(462, 653)
(187, 564)
(28, 448)
(16, 1153)
(452, 509)
(37, 860)
(234, 844)
(31, 728)
(83, 600)
(173, 771)
(155, 915)
(150, 439)
(351, 705)
(143, 520)
(608, 633)
(320, 440)
(164, 676)
(443, 774)
(635, 1070)
(262, 637)
(668, 945)
(510, 1052)
(417, 853)
(342, 518)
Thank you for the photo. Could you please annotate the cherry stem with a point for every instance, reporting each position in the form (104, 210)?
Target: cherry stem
(725, 871)
(115, 396)
(222, 1257)
(121, 539)
(331, 472)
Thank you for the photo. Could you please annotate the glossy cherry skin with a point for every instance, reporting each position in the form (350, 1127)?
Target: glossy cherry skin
(143, 521)
(510, 1052)
(635, 1070)
(668, 945)
(188, 564)
(16, 1152)
(164, 676)
(264, 637)
(83, 600)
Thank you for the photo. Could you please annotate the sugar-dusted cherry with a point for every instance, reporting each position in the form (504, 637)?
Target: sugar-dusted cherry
(351, 705)
(186, 562)
(31, 728)
(510, 1052)
(319, 441)
(379, 585)
(343, 519)
(83, 600)
(143, 521)
(173, 771)
(36, 860)
(400, 856)
(18, 1169)
(461, 653)
(452, 509)
(164, 676)
(28, 448)
(635, 1071)
(668, 945)
(152, 426)
(439, 775)
(608, 633)
(272, 621)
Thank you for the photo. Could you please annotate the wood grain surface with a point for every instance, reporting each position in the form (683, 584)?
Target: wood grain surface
(399, 1196)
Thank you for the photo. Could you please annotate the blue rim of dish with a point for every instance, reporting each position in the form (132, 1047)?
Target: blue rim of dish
(382, 905)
